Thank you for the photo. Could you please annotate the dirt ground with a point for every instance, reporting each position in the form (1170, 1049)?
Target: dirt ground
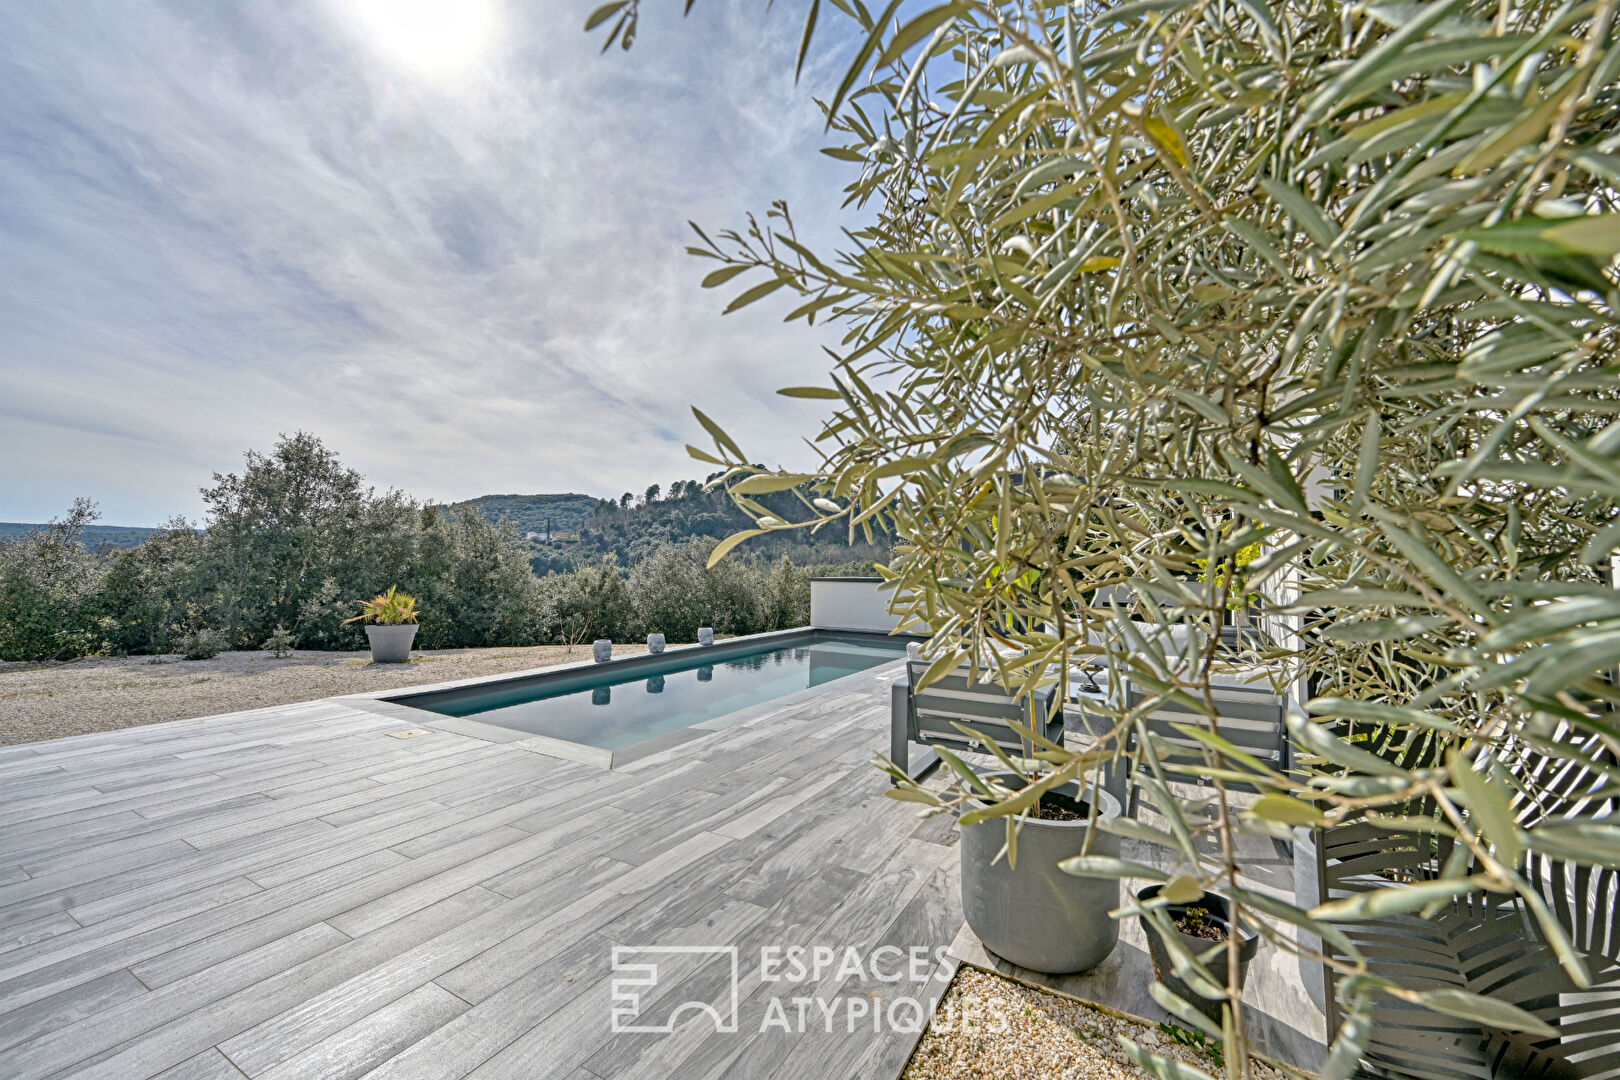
(52, 700)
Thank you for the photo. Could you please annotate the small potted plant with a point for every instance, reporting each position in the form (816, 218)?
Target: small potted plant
(1203, 927)
(390, 620)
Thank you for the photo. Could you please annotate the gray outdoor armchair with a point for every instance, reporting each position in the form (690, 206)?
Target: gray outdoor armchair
(928, 717)
(1250, 716)
(1485, 943)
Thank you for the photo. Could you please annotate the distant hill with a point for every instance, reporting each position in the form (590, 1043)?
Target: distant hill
(584, 528)
(633, 532)
(95, 536)
(543, 514)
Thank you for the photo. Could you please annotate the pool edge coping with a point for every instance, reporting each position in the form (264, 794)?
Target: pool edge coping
(388, 703)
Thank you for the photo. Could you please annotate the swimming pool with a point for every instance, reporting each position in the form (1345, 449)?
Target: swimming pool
(628, 702)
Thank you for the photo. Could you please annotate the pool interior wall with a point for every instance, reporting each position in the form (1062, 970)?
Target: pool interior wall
(623, 703)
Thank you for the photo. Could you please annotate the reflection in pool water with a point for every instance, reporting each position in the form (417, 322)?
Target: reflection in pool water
(686, 692)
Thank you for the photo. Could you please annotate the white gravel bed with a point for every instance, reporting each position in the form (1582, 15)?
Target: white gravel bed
(991, 1028)
(53, 700)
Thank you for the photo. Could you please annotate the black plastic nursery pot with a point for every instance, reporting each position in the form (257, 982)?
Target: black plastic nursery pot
(1034, 914)
(1216, 912)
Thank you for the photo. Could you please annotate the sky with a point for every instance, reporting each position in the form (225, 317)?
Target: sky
(446, 236)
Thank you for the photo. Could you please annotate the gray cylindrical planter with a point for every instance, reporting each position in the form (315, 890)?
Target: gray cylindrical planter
(602, 650)
(390, 644)
(1164, 963)
(705, 635)
(1035, 915)
(655, 643)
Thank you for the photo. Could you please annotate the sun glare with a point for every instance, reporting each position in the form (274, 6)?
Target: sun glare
(435, 38)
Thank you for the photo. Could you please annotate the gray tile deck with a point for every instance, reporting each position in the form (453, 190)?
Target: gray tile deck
(297, 893)
(292, 892)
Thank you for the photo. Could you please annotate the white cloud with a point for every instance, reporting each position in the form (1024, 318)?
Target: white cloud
(229, 221)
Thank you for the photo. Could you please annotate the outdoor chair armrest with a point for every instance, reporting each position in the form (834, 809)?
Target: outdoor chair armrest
(900, 724)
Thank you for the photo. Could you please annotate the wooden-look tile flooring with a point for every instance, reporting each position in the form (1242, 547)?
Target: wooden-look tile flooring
(299, 892)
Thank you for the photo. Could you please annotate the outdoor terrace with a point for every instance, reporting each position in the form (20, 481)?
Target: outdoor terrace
(314, 891)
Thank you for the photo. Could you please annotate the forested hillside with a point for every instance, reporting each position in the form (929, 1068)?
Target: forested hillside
(95, 536)
(634, 527)
(548, 515)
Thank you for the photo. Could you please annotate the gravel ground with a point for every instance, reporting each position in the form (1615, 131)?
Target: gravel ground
(49, 701)
(990, 1028)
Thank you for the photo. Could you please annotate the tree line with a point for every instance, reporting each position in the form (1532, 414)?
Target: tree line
(292, 542)
(632, 529)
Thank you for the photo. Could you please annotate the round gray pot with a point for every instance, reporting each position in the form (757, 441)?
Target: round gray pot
(1164, 964)
(390, 644)
(1034, 914)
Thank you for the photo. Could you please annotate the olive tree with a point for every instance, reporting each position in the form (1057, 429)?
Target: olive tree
(1142, 285)
(48, 586)
(677, 589)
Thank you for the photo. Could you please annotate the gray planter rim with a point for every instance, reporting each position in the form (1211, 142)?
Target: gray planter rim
(1107, 805)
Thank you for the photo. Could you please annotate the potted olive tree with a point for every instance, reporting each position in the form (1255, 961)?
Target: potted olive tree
(391, 621)
(1019, 826)
(1019, 902)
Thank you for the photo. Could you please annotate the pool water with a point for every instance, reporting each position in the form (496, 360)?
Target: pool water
(614, 713)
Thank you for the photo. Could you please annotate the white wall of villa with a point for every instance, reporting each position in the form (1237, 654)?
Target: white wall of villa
(851, 604)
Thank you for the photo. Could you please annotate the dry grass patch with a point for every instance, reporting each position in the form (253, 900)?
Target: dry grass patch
(52, 700)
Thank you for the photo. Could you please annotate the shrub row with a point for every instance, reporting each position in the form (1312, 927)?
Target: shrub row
(293, 542)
